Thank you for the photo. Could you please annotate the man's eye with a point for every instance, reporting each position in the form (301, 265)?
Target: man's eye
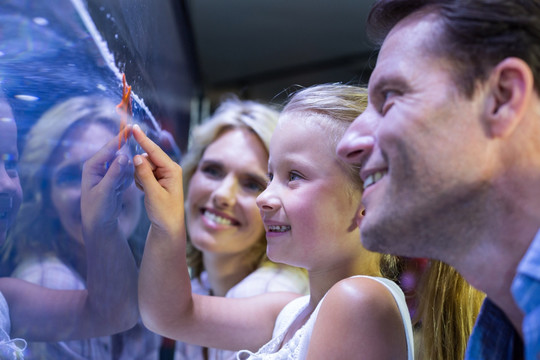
(11, 165)
(388, 102)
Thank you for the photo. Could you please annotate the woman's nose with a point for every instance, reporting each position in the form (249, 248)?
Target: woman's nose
(225, 194)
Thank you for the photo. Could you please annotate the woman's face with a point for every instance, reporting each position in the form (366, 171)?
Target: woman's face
(65, 188)
(222, 215)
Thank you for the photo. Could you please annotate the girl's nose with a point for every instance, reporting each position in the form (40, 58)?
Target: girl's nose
(267, 200)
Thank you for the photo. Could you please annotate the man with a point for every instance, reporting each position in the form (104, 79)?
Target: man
(449, 148)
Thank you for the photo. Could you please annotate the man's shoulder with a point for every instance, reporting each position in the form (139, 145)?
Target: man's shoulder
(493, 336)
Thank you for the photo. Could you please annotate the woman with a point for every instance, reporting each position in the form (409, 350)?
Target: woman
(224, 171)
(46, 243)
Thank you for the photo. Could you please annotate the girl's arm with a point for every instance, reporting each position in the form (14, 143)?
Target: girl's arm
(359, 318)
(109, 305)
(166, 303)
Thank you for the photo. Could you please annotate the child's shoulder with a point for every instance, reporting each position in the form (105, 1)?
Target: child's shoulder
(357, 292)
(364, 315)
(365, 303)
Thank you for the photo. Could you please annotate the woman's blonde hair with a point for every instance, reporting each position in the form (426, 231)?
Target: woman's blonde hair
(232, 113)
(38, 229)
(447, 309)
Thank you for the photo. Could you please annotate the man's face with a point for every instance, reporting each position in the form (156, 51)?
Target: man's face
(421, 145)
(10, 186)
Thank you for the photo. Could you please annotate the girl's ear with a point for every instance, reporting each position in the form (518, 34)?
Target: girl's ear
(510, 90)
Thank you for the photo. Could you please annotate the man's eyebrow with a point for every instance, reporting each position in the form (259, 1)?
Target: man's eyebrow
(384, 81)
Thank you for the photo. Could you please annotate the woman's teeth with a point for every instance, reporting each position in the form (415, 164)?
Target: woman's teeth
(278, 228)
(217, 219)
(373, 178)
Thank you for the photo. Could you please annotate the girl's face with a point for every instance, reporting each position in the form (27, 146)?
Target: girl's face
(309, 206)
(222, 215)
(10, 187)
(66, 182)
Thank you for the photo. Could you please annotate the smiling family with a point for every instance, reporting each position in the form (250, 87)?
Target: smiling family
(447, 150)
(439, 158)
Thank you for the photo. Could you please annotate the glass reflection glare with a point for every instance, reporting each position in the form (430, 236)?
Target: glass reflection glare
(59, 90)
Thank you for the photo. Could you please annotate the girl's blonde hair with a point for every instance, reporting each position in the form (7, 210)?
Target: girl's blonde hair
(447, 310)
(341, 104)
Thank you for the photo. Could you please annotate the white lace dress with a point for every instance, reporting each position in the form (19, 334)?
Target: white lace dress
(10, 349)
(297, 347)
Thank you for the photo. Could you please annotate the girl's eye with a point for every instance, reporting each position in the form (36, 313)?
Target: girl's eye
(295, 176)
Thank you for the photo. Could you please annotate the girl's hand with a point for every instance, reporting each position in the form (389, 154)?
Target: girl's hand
(160, 179)
(106, 175)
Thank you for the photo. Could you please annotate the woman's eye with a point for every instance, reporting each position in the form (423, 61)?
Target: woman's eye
(212, 171)
(269, 179)
(68, 177)
(254, 186)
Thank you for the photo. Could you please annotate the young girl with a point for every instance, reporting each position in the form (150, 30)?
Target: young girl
(223, 173)
(308, 212)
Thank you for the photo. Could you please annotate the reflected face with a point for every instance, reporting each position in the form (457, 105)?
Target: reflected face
(66, 182)
(10, 186)
(422, 148)
(309, 206)
(222, 216)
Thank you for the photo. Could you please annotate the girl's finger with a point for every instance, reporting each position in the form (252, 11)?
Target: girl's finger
(137, 183)
(105, 155)
(119, 174)
(157, 156)
(152, 166)
(144, 176)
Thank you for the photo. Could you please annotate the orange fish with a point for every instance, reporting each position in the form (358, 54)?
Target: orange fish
(125, 111)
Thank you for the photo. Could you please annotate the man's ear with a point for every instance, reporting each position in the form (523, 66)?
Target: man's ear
(511, 87)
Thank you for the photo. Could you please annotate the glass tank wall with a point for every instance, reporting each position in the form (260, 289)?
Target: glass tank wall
(73, 74)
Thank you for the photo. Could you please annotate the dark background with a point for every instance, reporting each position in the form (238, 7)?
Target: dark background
(182, 56)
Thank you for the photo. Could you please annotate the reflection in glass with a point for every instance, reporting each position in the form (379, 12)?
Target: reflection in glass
(60, 88)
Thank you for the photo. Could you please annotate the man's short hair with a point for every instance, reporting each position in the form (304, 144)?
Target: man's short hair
(475, 35)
